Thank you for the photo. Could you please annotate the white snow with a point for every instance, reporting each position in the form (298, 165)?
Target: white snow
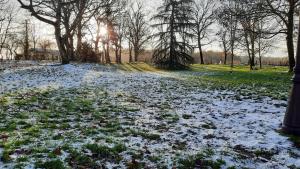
(251, 124)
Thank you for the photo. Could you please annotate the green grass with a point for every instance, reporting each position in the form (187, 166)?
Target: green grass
(145, 134)
(140, 67)
(292, 138)
(55, 117)
(105, 152)
(55, 164)
(73, 115)
(202, 160)
(270, 81)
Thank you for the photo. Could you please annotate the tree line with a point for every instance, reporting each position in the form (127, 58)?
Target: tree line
(174, 31)
(247, 26)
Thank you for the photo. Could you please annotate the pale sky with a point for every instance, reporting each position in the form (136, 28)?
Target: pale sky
(46, 31)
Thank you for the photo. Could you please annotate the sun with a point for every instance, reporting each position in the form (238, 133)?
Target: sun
(103, 31)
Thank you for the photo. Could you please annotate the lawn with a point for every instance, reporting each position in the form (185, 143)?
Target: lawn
(271, 81)
(274, 82)
(136, 116)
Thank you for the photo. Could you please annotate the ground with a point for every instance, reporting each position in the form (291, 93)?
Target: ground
(135, 116)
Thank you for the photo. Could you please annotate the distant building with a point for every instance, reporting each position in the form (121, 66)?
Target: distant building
(40, 54)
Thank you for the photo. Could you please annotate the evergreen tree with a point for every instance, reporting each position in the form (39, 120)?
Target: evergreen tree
(173, 50)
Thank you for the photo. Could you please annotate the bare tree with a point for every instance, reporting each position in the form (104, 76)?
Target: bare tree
(228, 20)
(118, 31)
(252, 29)
(106, 18)
(203, 18)
(284, 10)
(34, 36)
(90, 9)
(55, 13)
(102, 18)
(45, 44)
(225, 42)
(248, 22)
(26, 40)
(138, 29)
(7, 14)
(12, 45)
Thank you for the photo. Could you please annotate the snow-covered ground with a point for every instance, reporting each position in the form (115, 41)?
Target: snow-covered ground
(242, 133)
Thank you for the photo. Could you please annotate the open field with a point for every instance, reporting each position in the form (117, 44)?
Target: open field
(136, 116)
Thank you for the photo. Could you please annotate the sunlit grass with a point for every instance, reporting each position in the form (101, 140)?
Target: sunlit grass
(137, 67)
(92, 125)
(238, 68)
(271, 81)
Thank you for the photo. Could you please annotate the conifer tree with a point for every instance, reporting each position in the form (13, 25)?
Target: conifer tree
(173, 50)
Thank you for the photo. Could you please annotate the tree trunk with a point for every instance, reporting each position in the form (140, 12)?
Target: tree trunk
(71, 47)
(232, 56)
(232, 37)
(107, 56)
(259, 53)
(225, 52)
(290, 48)
(60, 44)
(97, 45)
(200, 51)
(248, 51)
(136, 54)
(26, 46)
(252, 64)
(79, 39)
(130, 52)
(289, 38)
(120, 50)
(171, 60)
(117, 54)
